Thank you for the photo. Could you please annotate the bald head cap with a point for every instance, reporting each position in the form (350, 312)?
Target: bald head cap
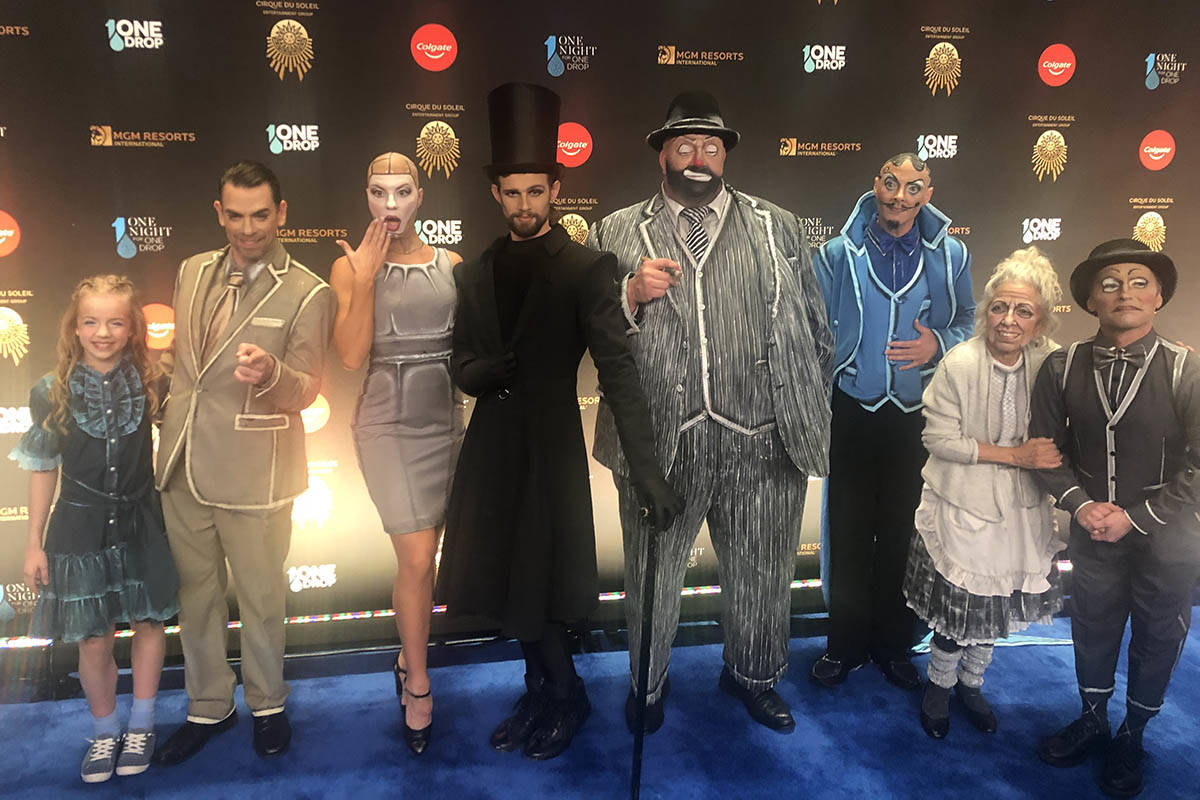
(394, 164)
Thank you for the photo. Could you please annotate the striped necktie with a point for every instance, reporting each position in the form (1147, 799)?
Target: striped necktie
(697, 237)
(223, 312)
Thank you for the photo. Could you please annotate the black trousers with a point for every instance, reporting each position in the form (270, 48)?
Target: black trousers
(1117, 581)
(874, 486)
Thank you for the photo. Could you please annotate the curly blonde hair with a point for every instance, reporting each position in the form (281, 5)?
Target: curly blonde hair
(1030, 267)
(70, 351)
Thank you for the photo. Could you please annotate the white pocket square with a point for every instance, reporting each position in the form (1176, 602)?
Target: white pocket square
(267, 322)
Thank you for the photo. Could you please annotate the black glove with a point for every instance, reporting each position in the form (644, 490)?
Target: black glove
(484, 375)
(662, 505)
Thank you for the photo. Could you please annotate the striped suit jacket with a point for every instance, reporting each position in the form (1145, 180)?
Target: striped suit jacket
(770, 246)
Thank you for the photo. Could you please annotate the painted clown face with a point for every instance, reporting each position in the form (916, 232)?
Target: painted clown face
(395, 198)
(900, 192)
(693, 166)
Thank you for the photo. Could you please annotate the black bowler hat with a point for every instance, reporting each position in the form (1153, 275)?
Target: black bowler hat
(694, 112)
(523, 118)
(1122, 251)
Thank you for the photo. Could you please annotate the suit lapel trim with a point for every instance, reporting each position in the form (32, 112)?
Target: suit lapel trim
(195, 311)
(242, 317)
(654, 212)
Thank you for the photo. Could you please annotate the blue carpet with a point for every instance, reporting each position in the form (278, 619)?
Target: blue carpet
(861, 740)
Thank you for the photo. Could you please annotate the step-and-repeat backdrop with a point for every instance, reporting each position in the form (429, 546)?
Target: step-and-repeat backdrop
(1059, 123)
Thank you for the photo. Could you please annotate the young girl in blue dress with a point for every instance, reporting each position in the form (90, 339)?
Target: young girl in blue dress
(105, 558)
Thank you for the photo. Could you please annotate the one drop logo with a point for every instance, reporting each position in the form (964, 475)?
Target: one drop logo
(554, 62)
(115, 40)
(1041, 229)
(937, 146)
(145, 34)
(273, 142)
(824, 56)
(1152, 79)
(125, 246)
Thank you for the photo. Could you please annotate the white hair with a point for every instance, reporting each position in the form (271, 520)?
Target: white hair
(1031, 268)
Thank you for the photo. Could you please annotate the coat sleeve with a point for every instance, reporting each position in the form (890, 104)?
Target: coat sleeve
(1048, 418)
(962, 326)
(462, 341)
(943, 435)
(297, 377)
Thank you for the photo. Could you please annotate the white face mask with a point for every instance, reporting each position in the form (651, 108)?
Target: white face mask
(394, 198)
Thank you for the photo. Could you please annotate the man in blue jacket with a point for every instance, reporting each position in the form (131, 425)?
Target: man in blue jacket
(898, 294)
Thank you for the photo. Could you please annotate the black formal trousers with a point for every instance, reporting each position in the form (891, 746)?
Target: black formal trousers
(874, 486)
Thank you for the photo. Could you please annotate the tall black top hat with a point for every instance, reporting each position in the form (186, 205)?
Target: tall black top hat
(1122, 251)
(523, 118)
(693, 112)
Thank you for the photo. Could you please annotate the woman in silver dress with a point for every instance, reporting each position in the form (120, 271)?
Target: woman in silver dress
(396, 305)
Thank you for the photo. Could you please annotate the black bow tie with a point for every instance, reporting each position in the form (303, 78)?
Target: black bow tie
(1107, 356)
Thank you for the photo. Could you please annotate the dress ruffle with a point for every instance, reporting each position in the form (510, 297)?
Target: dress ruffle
(87, 399)
(27, 457)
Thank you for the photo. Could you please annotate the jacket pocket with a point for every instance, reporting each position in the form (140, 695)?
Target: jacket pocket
(260, 422)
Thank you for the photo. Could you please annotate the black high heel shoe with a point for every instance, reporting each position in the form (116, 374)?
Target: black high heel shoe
(417, 741)
(400, 674)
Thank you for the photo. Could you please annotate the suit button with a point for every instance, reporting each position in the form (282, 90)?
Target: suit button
(835, 323)
(679, 388)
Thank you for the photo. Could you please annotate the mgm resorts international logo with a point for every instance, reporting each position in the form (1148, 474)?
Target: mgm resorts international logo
(437, 148)
(1151, 230)
(289, 49)
(791, 146)
(1049, 155)
(287, 137)
(937, 145)
(14, 336)
(824, 57)
(943, 68)
(314, 576)
(1040, 229)
(565, 52)
(673, 55)
(135, 34)
(575, 226)
(108, 136)
(135, 235)
(15, 419)
(1163, 69)
(439, 231)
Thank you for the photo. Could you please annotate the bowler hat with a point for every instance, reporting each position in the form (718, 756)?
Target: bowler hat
(693, 112)
(1121, 251)
(523, 119)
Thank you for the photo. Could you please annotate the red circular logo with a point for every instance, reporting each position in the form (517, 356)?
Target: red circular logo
(10, 233)
(160, 325)
(1157, 150)
(1056, 64)
(434, 47)
(574, 144)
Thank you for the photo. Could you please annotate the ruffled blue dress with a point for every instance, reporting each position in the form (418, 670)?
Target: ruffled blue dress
(106, 543)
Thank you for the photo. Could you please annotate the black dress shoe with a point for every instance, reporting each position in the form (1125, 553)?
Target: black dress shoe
(654, 711)
(765, 707)
(936, 727)
(1071, 745)
(829, 672)
(514, 732)
(189, 739)
(400, 673)
(901, 672)
(272, 734)
(979, 713)
(417, 739)
(562, 721)
(1121, 775)
(936, 700)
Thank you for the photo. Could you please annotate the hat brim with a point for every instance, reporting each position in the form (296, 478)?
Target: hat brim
(729, 136)
(1159, 263)
(553, 169)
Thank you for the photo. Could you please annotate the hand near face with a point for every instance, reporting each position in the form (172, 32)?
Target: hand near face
(255, 365)
(366, 259)
(916, 352)
(652, 280)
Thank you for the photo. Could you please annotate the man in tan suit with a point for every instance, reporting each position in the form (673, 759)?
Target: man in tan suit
(251, 329)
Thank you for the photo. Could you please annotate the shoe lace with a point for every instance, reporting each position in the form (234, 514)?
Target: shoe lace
(135, 743)
(102, 748)
(1080, 729)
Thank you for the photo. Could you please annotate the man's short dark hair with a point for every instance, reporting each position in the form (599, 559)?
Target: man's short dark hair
(494, 176)
(247, 175)
(919, 164)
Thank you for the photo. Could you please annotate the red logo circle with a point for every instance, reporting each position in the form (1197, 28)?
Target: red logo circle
(574, 144)
(1056, 64)
(10, 233)
(1157, 150)
(160, 325)
(434, 47)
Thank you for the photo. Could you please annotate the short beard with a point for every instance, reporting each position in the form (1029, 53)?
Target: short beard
(525, 229)
(891, 224)
(697, 192)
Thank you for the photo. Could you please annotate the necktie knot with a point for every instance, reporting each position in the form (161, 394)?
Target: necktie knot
(1103, 357)
(236, 279)
(696, 215)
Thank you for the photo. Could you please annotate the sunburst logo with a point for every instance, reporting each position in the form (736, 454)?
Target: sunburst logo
(1151, 230)
(1049, 155)
(14, 335)
(943, 68)
(289, 48)
(437, 148)
(575, 226)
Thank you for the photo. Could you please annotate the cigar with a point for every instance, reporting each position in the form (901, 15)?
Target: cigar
(676, 271)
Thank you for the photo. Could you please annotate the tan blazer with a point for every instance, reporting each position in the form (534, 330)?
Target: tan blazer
(243, 447)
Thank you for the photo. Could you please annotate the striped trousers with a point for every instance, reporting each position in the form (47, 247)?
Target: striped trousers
(752, 496)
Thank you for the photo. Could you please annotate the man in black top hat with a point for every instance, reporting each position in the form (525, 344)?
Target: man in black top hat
(520, 548)
(1124, 410)
(728, 328)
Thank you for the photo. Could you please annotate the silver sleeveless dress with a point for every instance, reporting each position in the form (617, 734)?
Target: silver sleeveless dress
(408, 424)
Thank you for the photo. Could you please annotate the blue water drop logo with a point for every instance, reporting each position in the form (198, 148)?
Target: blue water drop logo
(554, 62)
(273, 142)
(125, 246)
(922, 150)
(809, 64)
(1151, 72)
(115, 40)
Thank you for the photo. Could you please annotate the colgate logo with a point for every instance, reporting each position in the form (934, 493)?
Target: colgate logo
(574, 144)
(1056, 65)
(1157, 150)
(434, 47)
(160, 325)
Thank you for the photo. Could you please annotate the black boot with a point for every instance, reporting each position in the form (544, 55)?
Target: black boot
(1121, 775)
(564, 718)
(935, 710)
(979, 712)
(514, 732)
(1071, 745)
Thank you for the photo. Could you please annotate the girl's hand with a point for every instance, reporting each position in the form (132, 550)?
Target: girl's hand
(37, 570)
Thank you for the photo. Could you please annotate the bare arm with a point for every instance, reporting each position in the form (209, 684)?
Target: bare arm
(41, 492)
(352, 279)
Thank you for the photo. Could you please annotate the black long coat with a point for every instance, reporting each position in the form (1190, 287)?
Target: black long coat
(520, 547)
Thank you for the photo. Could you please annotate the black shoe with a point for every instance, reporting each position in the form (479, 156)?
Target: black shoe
(979, 713)
(514, 732)
(901, 672)
(562, 721)
(189, 739)
(654, 711)
(765, 707)
(417, 740)
(829, 672)
(936, 699)
(400, 673)
(272, 734)
(1121, 775)
(1071, 745)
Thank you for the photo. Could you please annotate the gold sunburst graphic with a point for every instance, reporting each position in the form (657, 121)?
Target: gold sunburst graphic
(289, 48)
(1151, 231)
(943, 68)
(1049, 155)
(14, 336)
(575, 226)
(437, 148)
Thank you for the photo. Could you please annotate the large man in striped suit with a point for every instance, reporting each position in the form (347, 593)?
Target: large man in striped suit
(728, 327)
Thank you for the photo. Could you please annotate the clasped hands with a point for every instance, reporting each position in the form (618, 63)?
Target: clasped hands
(1106, 522)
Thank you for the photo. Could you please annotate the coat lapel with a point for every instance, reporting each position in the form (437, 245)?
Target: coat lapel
(196, 323)
(659, 237)
(257, 293)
